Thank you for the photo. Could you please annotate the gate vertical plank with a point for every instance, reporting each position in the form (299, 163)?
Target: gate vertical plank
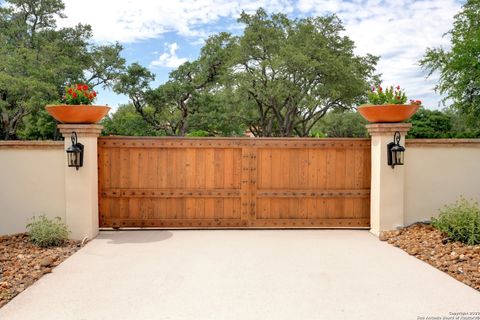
(134, 167)
(331, 158)
(228, 208)
(190, 165)
(219, 167)
(228, 170)
(209, 168)
(200, 168)
(303, 163)
(161, 176)
(312, 169)
(151, 169)
(273, 166)
(200, 208)
(209, 182)
(367, 169)
(171, 161)
(227, 175)
(294, 169)
(359, 168)
(237, 168)
(286, 171)
(253, 182)
(180, 172)
(322, 170)
(190, 208)
(340, 169)
(245, 185)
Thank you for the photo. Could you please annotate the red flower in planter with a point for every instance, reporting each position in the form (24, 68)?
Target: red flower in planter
(78, 94)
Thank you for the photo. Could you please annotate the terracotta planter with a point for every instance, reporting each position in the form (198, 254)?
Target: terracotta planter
(77, 113)
(388, 112)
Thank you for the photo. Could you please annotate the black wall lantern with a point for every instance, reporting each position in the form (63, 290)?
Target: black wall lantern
(75, 153)
(395, 151)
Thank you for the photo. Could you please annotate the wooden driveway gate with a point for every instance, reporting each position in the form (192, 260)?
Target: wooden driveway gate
(234, 182)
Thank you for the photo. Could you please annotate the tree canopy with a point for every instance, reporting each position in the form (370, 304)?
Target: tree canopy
(37, 59)
(278, 78)
(291, 72)
(459, 67)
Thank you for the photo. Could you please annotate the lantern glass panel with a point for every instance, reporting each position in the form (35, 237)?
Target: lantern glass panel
(74, 157)
(399, 157)
(71, 162)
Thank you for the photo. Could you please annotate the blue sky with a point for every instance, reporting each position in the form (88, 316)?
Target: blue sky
(163, 34)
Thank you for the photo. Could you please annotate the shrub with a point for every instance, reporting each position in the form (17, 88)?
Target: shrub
(340, 124)
(198, 133)
(460, 221)
(46, 232)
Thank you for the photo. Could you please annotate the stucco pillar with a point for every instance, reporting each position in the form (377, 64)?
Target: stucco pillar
(81, 186)
(387, 186)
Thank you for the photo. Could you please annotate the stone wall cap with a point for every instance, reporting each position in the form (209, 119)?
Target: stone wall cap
(387, 128)
(82, 130)
(31, 144)
(443, 142)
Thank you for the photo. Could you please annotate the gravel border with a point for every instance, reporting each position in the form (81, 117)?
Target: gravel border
(22, 263)
(426, 243)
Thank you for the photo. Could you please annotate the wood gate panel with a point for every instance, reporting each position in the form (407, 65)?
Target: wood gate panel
(233, 182)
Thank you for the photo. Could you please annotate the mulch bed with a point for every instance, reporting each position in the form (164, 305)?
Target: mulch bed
(22, 263)
(459, 260)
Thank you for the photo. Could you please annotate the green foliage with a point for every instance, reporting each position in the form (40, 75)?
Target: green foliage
(459, 66)
(460, 221)
(126, 122)
(46, 232)
(38, 126)
(216, 115)
(430, 124)
(390, 95)
(436, 124)
(37, 59)
(198, 133)
(462, 124)
(341, 124)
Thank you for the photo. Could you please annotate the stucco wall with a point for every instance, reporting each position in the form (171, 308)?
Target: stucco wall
(32, 182)
(438, 172)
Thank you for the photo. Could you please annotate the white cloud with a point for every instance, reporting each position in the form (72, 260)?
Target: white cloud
(399, 31)
(169, 59)
(130, 21)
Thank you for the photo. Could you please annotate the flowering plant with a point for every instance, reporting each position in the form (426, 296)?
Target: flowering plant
(391, 95)
(78, 94)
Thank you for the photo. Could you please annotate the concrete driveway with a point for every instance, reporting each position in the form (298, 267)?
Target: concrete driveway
(289, 274)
